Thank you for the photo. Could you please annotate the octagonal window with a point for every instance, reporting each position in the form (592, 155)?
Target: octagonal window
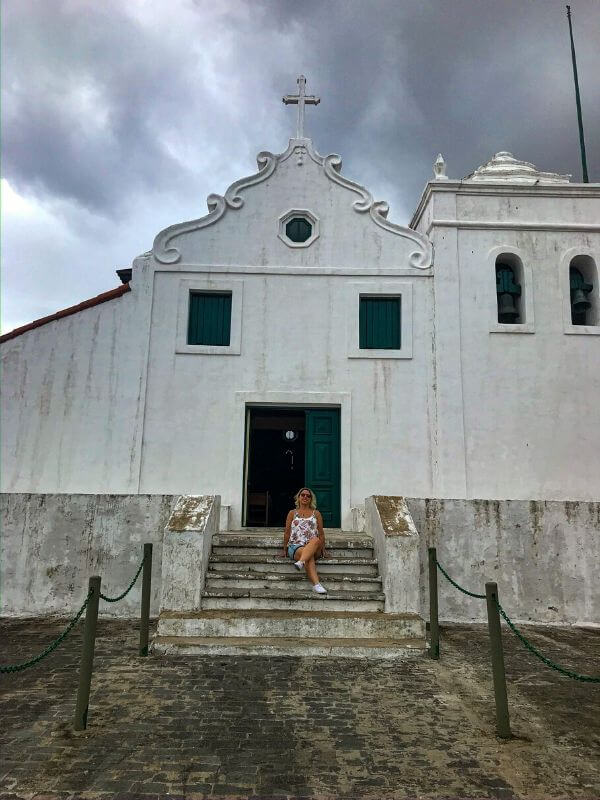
(298, 229)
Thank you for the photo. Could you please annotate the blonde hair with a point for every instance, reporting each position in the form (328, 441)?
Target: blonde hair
(313, 499)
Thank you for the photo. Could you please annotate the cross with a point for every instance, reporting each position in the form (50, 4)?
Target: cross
(301, 99)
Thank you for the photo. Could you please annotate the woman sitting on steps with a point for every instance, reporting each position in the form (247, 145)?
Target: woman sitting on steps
(304, 539)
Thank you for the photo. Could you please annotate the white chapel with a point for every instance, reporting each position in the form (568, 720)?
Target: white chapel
(294, 335)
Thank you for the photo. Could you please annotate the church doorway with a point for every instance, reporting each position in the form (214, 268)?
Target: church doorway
(287, 448)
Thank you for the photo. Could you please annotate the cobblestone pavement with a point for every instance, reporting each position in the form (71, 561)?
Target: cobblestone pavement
(244, 726)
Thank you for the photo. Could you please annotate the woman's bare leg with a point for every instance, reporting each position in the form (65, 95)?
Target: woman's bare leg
(307, 554)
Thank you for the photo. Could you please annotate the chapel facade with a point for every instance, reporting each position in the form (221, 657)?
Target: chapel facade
(295, 336)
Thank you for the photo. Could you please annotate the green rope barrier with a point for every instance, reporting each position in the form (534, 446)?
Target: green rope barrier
(127, 590)
(464, 591)
(51, 647)
(548, 662)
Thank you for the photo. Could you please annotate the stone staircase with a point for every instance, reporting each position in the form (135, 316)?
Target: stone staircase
(255, 602)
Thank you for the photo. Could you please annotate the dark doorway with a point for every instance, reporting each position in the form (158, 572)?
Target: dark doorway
(275, 464)
(287, 448)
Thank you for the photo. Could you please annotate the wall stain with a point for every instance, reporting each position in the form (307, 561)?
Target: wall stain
(394, 514)
(594, 514)
(536, 514)
(571, 509)
(191, 513)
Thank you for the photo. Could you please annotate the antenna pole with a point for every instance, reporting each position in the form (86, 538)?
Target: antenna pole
(578, 101)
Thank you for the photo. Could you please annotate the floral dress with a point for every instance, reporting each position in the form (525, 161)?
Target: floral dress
(303, 529)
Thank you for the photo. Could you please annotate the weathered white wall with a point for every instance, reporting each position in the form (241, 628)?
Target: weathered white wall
(518, 409)
(531, 400)
(84, 419)
(293, 344)
(299, 328)
(543, 555)
(107, 401)
(73, 399)
(52, 544)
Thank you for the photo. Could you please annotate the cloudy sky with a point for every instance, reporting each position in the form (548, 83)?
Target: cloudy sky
(119, 117)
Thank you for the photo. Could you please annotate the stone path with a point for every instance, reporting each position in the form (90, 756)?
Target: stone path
(200, 727)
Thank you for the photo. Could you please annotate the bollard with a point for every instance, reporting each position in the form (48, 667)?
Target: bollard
(87, 655)
(434, 631)
(502, 719)
(145, 612)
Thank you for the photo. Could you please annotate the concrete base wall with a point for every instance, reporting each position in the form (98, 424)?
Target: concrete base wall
(543, 555)
(52, 543)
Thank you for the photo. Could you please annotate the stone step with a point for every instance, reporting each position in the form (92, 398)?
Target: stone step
(272, 560)
(302, 647)
(278, 530)
(273, 623)
(288, 580)
(301, 599)
(266, 539)
(269, 551)
(326, 566)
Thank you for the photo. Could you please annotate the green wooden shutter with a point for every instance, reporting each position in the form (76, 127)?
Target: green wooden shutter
(379, 323)
(210, 319)
(322, 466)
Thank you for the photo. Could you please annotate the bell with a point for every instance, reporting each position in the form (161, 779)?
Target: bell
(580, 303)
(506, 309)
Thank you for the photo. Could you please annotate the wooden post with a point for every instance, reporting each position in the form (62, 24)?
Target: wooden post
(87, 655)
(502, 718)
(145, 611)
(434, 631)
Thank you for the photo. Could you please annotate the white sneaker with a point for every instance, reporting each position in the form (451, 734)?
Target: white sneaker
(299, 564)
(319, 589)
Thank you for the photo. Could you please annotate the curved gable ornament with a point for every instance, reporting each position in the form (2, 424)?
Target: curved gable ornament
(166, 253)
(422, 257)
(217, 206)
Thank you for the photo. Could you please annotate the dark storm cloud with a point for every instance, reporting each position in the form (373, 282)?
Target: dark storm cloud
(120, 117)
(94, 94)
(79, 117)
(402, 81)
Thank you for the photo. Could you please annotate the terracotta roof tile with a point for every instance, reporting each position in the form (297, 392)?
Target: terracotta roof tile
(66, 312)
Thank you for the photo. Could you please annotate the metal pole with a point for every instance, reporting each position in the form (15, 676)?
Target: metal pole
(578, 101)
(87, 655)
(145, 612)
(434, 631)
(502, 719)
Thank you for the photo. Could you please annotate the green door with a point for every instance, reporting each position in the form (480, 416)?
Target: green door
(322, 465)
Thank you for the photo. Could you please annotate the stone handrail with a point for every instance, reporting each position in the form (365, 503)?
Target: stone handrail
(396, 542)
(186, 551)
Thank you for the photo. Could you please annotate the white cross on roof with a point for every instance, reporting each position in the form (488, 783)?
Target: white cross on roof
(301, 99)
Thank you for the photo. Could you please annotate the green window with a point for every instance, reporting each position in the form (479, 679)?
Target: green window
(298, 229)
(379, 323)
(210, 318)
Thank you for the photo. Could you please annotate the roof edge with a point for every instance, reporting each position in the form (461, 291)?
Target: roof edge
(501, 187)
(67, 312)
